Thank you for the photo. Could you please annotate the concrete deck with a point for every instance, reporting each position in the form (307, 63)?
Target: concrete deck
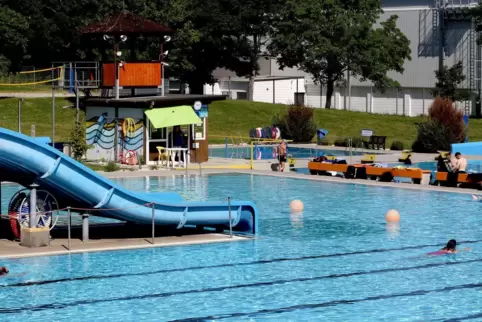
(11, 249)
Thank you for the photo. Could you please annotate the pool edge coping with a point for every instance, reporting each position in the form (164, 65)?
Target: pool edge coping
(221, 238)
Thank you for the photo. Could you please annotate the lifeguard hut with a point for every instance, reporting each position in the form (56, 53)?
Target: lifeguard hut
(123, 126)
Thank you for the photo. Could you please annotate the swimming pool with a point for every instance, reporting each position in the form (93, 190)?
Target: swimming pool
(337, 262)
(472, 165)
(264, 152)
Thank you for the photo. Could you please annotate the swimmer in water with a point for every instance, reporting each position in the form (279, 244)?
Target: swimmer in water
(450, 248)
(476, 198)
(3, 270)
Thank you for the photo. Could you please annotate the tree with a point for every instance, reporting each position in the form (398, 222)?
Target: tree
(249, 23)
(13, 37)
(448, 81)
(331, 39)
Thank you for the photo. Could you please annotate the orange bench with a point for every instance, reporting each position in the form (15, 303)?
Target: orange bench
(415, 174)
(461, 178)
(317, 167)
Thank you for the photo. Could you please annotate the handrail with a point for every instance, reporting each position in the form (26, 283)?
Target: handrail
(153, 231)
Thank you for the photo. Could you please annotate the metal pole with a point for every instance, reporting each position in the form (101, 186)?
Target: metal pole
(85, 227)
(53, 116)
(68, 227)
(226, 149)
(77, 107)
(33, 205)
(153, 224)
(116, 141)
(162, 78)
(20, 115)
(116, 71)
(230, 221)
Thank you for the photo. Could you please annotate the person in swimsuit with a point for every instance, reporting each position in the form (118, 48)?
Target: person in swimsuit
(450, 248)
(3, 270)
(282, 155)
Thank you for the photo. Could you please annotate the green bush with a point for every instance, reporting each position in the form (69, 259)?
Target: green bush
(397, 146)
(432, 136)
(340, 142)
(296, 124)
(444, 126)
(111, 167)
(77, 140)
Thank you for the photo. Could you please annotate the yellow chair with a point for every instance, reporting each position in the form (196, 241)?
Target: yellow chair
(368, 158)
(406, 155)
(291, 162)
(163, 157)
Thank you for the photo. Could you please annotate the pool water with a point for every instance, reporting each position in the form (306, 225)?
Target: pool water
(338, 261)
(472, 165)
(264, 152)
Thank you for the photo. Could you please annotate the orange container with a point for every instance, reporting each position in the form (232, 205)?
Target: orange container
(135, 74)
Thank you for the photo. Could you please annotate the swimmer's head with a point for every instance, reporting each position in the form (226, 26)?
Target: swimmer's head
(3, 270)
(451, 245)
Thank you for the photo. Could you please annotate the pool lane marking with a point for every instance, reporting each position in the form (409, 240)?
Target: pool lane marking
(467, 317)
(267, 261)
(52, 306)
(331, 303)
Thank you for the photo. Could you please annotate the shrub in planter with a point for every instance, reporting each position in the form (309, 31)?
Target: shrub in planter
(397, 146)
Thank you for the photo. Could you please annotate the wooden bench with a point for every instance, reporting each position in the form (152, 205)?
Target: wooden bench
(376, 142)
(372, 172)
(470, 180)
(320, 167)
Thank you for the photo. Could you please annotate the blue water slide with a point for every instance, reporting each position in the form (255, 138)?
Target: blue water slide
(26, 160)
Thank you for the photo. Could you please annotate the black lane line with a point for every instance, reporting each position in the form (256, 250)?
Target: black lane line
(332, 303)
(51, 306)
(267, 261)
(468, 317)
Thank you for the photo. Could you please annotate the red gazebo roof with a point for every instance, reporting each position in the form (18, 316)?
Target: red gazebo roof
(126, 23)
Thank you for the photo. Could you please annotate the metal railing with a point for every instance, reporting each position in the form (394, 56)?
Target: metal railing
(85, 212)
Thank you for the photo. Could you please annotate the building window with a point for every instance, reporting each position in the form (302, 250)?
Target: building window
(157, 134)
(199, 130)
(299, 98)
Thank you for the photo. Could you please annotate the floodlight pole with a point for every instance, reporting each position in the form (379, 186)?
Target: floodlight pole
(161, 56)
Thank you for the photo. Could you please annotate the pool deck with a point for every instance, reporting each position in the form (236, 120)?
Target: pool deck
(11, 249)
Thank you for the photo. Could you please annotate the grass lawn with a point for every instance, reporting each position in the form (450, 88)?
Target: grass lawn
(229, 118)
(38, 111)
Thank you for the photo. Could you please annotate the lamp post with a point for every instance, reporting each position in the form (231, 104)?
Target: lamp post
(162, 57)
(117, 54)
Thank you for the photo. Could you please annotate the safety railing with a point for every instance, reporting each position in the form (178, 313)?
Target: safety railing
(86, 212)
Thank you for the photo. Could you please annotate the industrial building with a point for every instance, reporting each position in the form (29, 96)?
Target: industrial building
(441, 32)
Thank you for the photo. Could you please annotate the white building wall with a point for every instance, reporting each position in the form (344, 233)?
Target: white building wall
(263, 91)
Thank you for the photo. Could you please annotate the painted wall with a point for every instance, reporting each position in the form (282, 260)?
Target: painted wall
(101, 135)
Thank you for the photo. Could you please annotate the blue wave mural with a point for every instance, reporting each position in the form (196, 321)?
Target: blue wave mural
(101, 134)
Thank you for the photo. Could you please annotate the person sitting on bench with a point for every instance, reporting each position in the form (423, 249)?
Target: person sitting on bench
(460, 165)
